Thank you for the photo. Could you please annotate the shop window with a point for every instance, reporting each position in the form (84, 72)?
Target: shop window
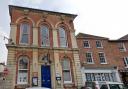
(66, 71)
(44, 36)
(100, 77)
(22, 71)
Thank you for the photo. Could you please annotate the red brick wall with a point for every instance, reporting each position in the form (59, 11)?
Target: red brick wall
(112, 53)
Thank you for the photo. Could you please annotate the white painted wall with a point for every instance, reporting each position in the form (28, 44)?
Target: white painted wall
(1, 68)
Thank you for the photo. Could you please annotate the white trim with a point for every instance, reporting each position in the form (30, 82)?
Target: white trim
(126, 58)
(122, 45)
(22, 69)
(65, 82)
(45, 45)
(91, 58)
(100, 43)
(88, 44)
(28, 32)
(104, 58)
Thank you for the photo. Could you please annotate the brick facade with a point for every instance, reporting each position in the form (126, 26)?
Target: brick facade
(34, 51)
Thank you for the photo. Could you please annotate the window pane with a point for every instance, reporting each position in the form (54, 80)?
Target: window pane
(86, 44)
(45, 36)
(24, 33)
(22, 76)
(88, 77)
(23, 63)
(66, 65)
(62, 37)
(24, 38)
(102, 58)
(98, 44)
(89, 57)
(122, 47)
(67, 76)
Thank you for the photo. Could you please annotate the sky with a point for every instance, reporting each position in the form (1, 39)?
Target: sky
(107, 18)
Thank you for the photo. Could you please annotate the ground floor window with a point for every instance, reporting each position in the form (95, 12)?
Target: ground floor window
(100, 77)
(22, 70)
(66, 69)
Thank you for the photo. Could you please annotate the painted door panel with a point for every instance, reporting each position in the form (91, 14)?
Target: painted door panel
(46, 76)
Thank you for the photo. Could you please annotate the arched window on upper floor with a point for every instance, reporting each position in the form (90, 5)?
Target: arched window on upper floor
(23, 63)
(24, 33)
(62, 37)
(66, 70)
(44, 35)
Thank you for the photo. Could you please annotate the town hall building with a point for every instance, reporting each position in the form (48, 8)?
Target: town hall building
(42, 50)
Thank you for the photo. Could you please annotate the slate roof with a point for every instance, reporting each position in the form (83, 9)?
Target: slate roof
(82, 35)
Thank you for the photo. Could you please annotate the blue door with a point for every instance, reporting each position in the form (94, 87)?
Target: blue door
(45, 76)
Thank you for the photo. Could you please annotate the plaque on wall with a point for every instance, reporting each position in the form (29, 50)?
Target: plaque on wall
(34, 81)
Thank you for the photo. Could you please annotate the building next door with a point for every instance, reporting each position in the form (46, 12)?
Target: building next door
(45, 76)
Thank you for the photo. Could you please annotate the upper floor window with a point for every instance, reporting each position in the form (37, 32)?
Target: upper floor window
(126, 61)
(22, 70)
(99, 44)
(24, 33)
(86, 44)
(89, 57)
(66, 69)
(102, 58)
(122, 47)
(62, 37)
(44, 36)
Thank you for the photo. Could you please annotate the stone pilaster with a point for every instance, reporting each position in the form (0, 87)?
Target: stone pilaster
(35, 60)
(55, 40)
(35, 36)
(58, 70)
(13, 33)
(77, 69)
(11, 65)
(73, 39)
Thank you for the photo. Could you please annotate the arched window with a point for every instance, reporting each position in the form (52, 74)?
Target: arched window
(22, 70)
(62, 37)
(44, 36)
(24, 33)
(66, 71)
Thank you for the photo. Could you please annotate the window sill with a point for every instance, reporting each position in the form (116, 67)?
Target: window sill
(90, 63)
(99, 47)
(87, 47)
(22, 85)
(72, 85)
(104, 63)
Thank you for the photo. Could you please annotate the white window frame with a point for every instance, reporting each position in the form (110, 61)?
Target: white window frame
(22, 69)
(122, 47)
(91, 58)
(67, 82)
(41, 36)
(87, 42)
(60, 37)
(104, 58)
(125, 60)
(100, 44)
(21, 33)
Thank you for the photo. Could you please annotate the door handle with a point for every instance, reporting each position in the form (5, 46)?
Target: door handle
(48, 80)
